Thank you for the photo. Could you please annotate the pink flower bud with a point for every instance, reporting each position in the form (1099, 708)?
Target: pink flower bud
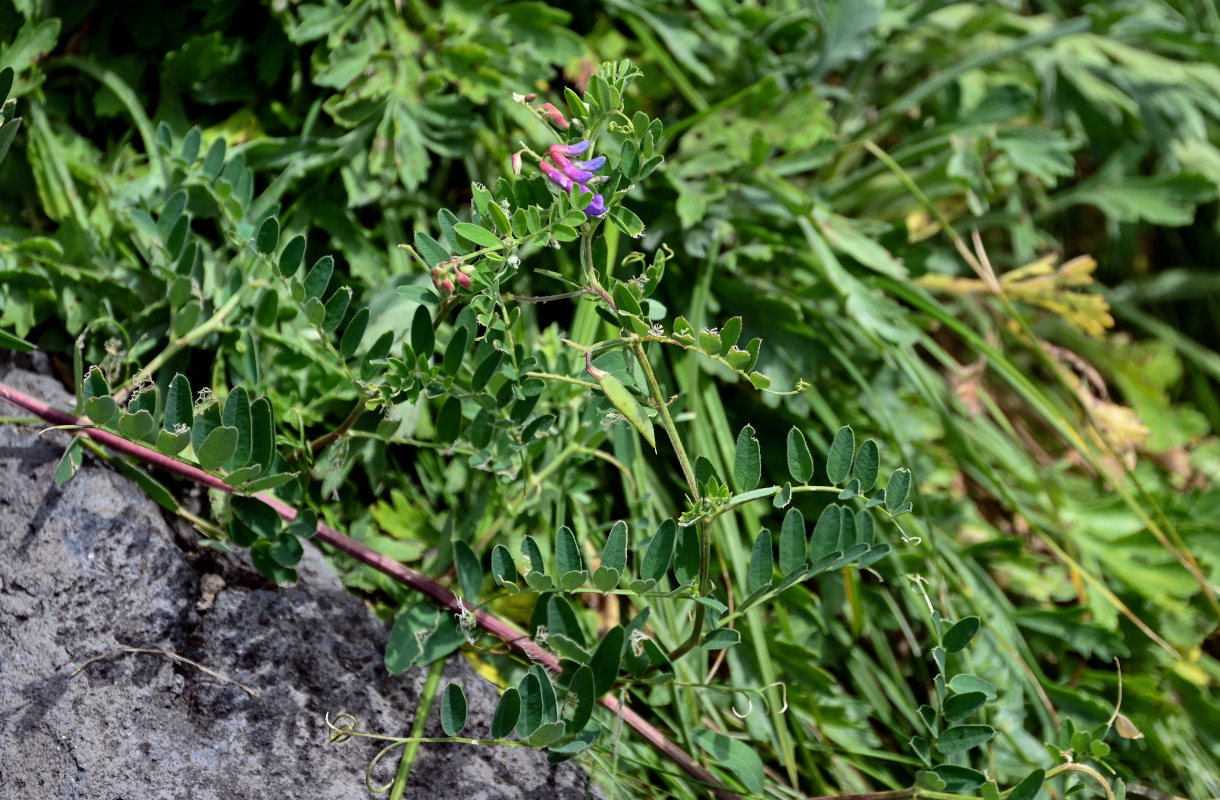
(554, 115)
(463, 280)
(517, 163)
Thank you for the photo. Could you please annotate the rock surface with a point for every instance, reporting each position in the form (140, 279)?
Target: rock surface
(93, 566)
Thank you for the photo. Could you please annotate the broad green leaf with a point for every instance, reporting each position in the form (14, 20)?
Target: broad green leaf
(214, 161)
(959, 779)
(736, 756)
(101, 409)
(286, 550)
(453, 710)
(567, 553)
(868, 461)
(291, 256)
(958, 637)
(747, 462)
(626, 404)
(960, 706)
(237, 416)
(179, 403)
(826, 533)
(336, 308)
(137, 426)
(350, 342)
(583, 688)
(793, 542)
(412, 624)
(800, 462)
(449, 420)
(686, 558)
(660, 551)
(762, 562)
(268, 235)
(507, 712)
(614, 554)
(1028, 788)
(964, 683)
(469, 570)
(423, 337)
(10, 342)
(479, 235)
(561, 619)
(318, 277)
(217, 448)
(897, 489)
(960, 738)
(260, 517)
(606, 660)
(432, 251)
(262, 434)
(455, 351)
(720, 639)
(839, 459)
(502, 566)
(531, 705)
(627, 221)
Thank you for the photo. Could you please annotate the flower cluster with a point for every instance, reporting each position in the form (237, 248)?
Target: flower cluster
(445, 273)
(565, 172)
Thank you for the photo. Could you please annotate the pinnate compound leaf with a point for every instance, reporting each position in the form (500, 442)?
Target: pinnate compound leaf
(736, 756)
(839, 459)
(507, 712)
(800, 462)
(747, 463)
(453, 710)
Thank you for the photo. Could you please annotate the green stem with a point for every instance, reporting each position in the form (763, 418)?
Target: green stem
(212, 325)
(344, 426)
(426, 699)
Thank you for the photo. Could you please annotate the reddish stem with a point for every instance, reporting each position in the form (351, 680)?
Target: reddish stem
(444, 597)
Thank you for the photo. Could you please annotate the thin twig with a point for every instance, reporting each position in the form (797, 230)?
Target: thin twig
(167, 654)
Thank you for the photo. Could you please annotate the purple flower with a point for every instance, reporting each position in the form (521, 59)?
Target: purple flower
(572, 149)
(597, 207)
(549, 170)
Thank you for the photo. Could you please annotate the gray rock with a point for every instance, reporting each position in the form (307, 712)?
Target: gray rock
(93, 566)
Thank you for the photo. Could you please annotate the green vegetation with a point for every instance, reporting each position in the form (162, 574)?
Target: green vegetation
(931, 277)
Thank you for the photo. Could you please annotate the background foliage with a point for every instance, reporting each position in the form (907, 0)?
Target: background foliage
(1050, 381)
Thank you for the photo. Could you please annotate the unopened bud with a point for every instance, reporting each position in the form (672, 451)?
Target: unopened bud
(517, 163)
(463, 280)
(554, 115)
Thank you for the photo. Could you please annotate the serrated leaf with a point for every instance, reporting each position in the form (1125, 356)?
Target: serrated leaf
(453, 710)
(747, 460)
(839, 459)
(800, 462)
